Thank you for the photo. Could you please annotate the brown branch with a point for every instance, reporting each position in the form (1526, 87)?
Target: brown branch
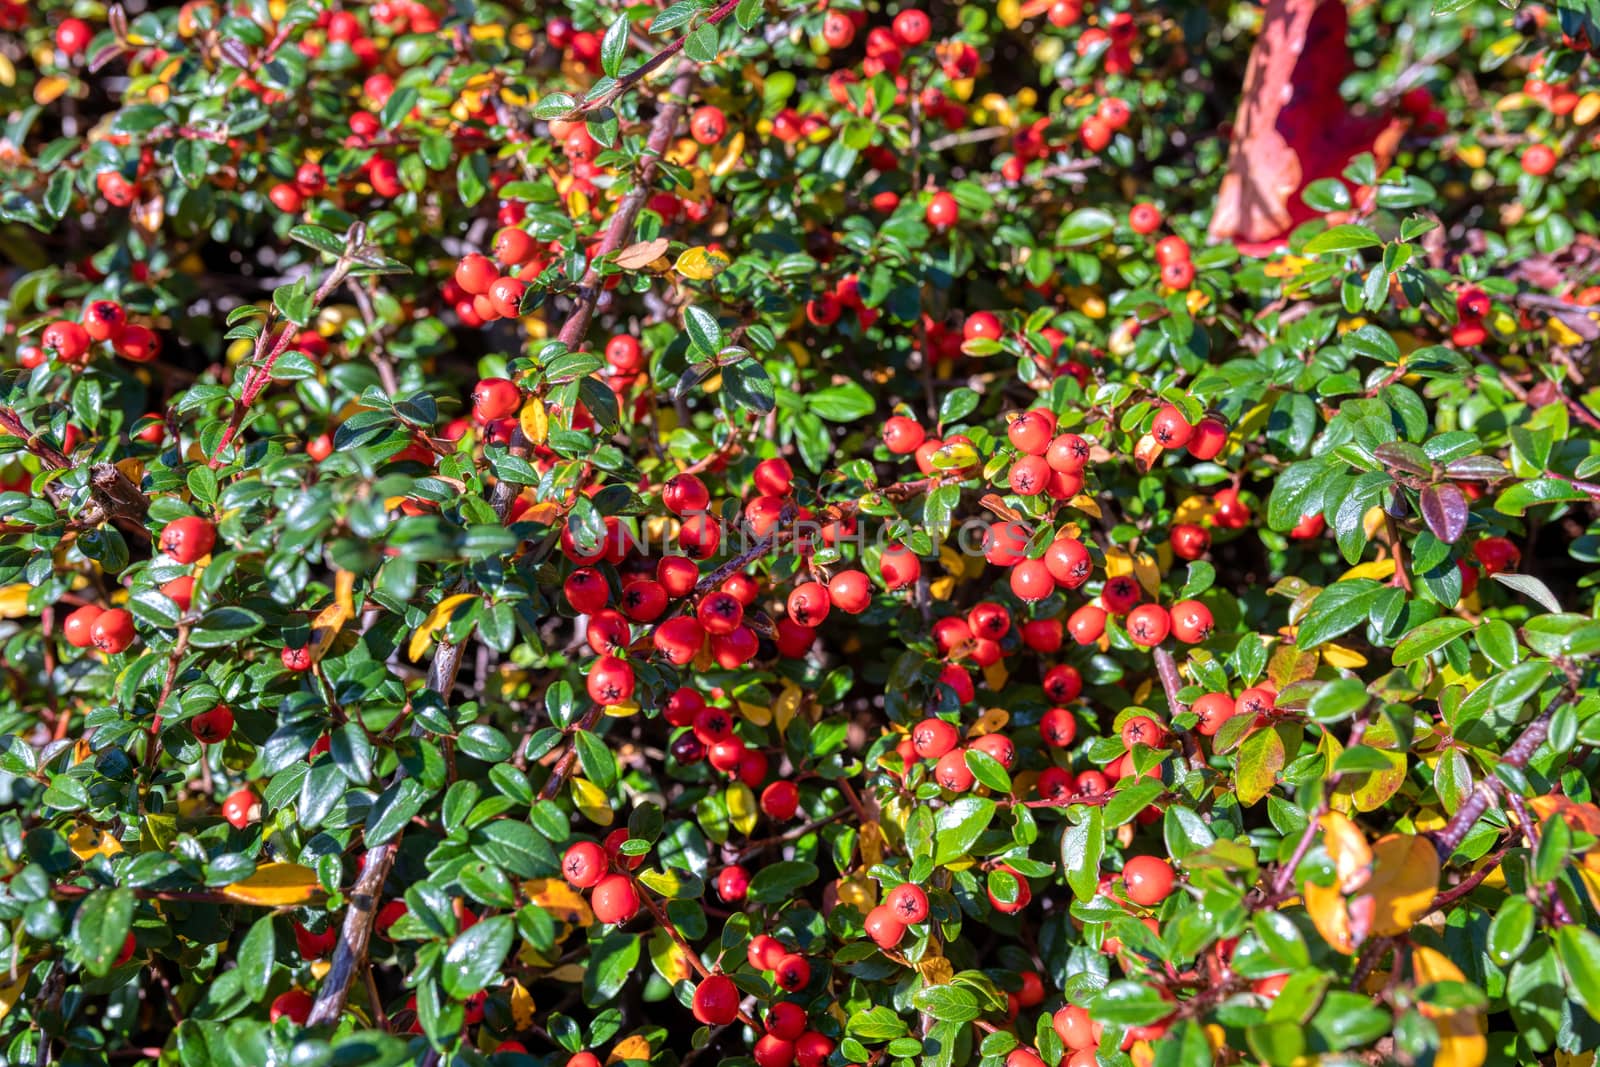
(1521, 751)
(648, 67)
(1167, 669)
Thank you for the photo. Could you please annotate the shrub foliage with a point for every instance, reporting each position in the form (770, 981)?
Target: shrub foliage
(849, 534)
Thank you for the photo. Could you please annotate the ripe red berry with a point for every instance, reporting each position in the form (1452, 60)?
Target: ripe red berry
(780, 800)
(1031, 580)
(112, 631)
(67, 340)
(809, 603)
(733, 882)
(719, 612)
(138, 344)
(1148, 880)
(240, 807)
(912, 27)
(1120, 594)
(188, 539)
(1067, 453)
(104, 320)
(625, 354)
(495, 398)
(1144, 218)
(1191, 621)
(838, 30)
(772, 1051)
(1095, 133)
(1178, 274)
(1189, 541)
(1538, 160)
(1044, 635)
(1030, 432)
(1068, 562)
(902, 435)
(1173, 249)
(793, 973)
(952, 772)
(850, 591)
(475, 273)
(73, 36)
(614, 899)
(997, 746)
(899, 566)
(295, 1005)
(1231, 512)
(296, 659)
(78, 627)
(774, 477)
(716, 1000)
(610, 681)
(765, 952)
(1214, 709)
(708, 125)
(212, 727)
(1496, 554)
(584, 864)
(1063, 683)
(908, 902)
(1087, 624)
(1149, 624)
(513, 247)
(786, 1020)
(1170, 428)
(942, 211)
(1058, 727)
(884, 927)
(1255, 701)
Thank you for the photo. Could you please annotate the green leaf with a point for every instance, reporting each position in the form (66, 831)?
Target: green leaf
(1342, 606)
(704, 333)
(1520, 497)
(1084, 226)
(988, 770)
(474, 958)
(614, 46)
(1579, 950)
(257, 954)
(959, 826)
(841, 403)
(554, 106)
(1082, 845)
(1427, 638)
(100, 928)
(947, 1003)
(701, 44)
(227, 625)
(1346, 238)
(780, 881)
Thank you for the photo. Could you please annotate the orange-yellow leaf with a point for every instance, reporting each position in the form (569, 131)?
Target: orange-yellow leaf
(437, 620)
(331, 619)
(1461, 1032)
(1405, 878)
(14, 600)
(701, 264)
(592, 802)
(742, 811)
(276, 885)
(535, 421)
(633, 1047)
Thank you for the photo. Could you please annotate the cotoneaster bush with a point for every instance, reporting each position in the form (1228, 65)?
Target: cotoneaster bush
(801, 534)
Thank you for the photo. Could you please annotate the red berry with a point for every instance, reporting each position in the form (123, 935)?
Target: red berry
(809, 603)
(765, 952)
(899, 566)
(1068, 562)
(614, 899)
(912, 27)
(1068, 453)
(1058, 727)
(495, 398)
(716, 1000)
(104, 320)
(296, 659)
(1178, 274)
(112, 631)
(240, 808)
(1191, 621)
(584, 864)
(884, 927)
(1087, 624)
(1030, 432)
(952, 772)
(733, 882)
(1063, 683)
(73, 36)
(1031, 580)
(1170, 428)
(475, 273)
(513, 247)
(1074, 1027)
(138, 344)
(1173, 249)
(1214, 709)
(212, 727)
(188, 539)
(780, 800)
(1024, 894)
(1189, 541)
(610, 681)
(77, 628)
(1538, 160)
(1148, 880)
(1144, 218)
(932, 738)
(708, 125)
(850, 591)
(793, 973)
(908, 902)
(719, 612)
(1149, 624)
(67, 340)
(1496, 554)
(838, 30)
(295, 1005)
(902, 435)
(786, 1020)
(942, 211)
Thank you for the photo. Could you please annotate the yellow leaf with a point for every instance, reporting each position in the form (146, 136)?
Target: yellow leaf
(535, 421)
(1405, 879)
(592, 802)
(729, 156)
(437, 620)
(1347, 846)
(870, 842)
(995, 675)
(86, 844)
(669, 960)
(558, 898)
(331, 619)
(569, 972)
(757, 714)
(787, 705)
(701, 263)
(12, 992)
(622, 711)
(742, 811)
(1087, 504)
(1461, 1040)
(936, 970)
(634, 1046)
(521, 1006)
(48, 90)
(276, 885)
(1325, 905)
(1377, 569)
(857, 891)
(14, 601)
(1342, 658)
(1194, 510)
